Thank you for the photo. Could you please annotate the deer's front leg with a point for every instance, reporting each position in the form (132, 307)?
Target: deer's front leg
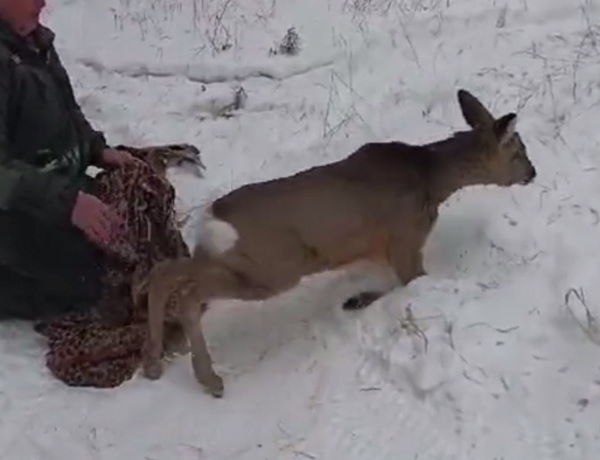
(387, 277)
(408, 265)
(361, 300)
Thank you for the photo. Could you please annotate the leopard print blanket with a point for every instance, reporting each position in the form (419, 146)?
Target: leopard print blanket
(102, 347)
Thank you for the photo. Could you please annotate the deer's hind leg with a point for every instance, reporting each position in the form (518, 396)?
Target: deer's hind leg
(191, 321)
(213, 281)
(175, 339)
(162, 283)
(158, 296)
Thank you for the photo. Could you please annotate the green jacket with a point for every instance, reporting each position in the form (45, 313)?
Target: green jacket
(46, 143)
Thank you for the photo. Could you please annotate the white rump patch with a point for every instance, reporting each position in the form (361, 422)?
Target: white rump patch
(215, 235)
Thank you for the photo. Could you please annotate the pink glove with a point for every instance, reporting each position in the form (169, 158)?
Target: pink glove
(99, 222)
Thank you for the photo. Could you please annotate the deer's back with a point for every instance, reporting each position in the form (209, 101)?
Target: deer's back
(363, 182)
(330, 214)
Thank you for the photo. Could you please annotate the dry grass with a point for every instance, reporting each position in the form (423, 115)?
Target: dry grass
(213, 20)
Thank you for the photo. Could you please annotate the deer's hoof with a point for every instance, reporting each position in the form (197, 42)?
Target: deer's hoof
(214, 385)
(361, 300)
(153, 369)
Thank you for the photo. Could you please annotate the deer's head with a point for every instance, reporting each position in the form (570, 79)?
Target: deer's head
(502, 156)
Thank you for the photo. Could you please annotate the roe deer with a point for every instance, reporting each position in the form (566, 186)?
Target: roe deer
(378, 204)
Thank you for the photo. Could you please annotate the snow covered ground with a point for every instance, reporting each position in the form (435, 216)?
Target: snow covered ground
(510, 366)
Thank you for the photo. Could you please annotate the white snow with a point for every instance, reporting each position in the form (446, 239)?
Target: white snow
(510, 368)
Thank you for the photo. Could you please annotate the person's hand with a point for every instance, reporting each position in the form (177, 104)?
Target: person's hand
(117, 158)
(97, 221)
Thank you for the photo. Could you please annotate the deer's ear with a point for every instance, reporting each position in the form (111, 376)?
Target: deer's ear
(474, 112)
(505, 127)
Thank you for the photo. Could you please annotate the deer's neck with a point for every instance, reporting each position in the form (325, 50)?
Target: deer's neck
(456, 163)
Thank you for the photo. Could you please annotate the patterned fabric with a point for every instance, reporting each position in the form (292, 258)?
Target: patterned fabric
(102, 347)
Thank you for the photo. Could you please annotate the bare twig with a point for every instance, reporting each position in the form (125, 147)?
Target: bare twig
(304, 454)
(501, 331)
(450, 330)
(468, 377)
(218, 27)
(591, 328)
(370, 389)
(409, 324)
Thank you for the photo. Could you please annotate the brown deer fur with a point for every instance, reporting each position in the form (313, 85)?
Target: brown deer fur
(378, 204)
